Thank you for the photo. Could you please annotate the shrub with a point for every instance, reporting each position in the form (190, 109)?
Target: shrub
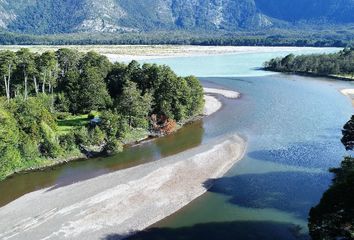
(49, 146)
(61, 103)
(10, 160)
(29, 149)
(97, 137)
(67, 141)
(81, 136)
(113, 146)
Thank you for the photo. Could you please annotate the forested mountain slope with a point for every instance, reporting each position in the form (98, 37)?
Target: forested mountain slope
(71, 16)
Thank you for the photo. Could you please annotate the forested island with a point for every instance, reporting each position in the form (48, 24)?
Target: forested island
(337, 65)
(333, 217)
(55, 106)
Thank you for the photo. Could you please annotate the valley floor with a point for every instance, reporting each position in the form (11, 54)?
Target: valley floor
(140, 52)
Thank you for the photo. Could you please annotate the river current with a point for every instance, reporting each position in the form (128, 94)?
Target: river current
(292, 125)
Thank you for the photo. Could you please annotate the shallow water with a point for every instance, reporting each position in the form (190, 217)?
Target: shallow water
(292, 125)
(230, 65)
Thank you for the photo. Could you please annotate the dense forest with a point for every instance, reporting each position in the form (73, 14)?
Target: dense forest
(56, 105)
(267, 38)
(333, 217)
(339, 64)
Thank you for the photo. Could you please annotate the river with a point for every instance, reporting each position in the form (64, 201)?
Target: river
(293, 128)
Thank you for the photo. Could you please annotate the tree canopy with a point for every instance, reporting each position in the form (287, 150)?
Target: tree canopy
(337, 64)
(56, 103)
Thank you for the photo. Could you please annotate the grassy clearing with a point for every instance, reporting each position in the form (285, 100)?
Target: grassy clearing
(71, 123)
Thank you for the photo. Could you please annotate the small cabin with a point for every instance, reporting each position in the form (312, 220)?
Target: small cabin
(95, 121)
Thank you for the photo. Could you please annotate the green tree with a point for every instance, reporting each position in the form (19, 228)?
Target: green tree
(26, 64)
(97, 136)
(48, 68)
(348, 134)
(71, 87)
(196, 98)
(116, 79)
(8, 62)
(68, 141)
(68, 60)
(30, 114)
(92, 91)
(29, 149)
(49, 145)
(94, 60)
(134, 106)
(10, 157)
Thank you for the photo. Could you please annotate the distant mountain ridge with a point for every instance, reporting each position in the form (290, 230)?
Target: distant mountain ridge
(71, 16)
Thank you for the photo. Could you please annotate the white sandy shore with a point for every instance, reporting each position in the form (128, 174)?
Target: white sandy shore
(122, 202)
(225, 93)
(212, 104)
(349, 92)
(141, 52)
(144, 52)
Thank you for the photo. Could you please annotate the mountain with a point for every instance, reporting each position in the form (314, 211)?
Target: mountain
(315, 11)
(71, 16)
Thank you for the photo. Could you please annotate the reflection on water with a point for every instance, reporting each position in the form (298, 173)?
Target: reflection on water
(293, 126)
(250, 191)
(58, 176)
(254, 230)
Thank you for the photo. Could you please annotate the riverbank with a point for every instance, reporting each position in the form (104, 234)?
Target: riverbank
(226, 93)
(123, 202)
(212, 105)
(315, 75)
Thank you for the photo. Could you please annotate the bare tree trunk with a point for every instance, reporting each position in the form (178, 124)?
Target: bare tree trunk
(9, 82)
(26, 93)
(43, 86)
(35, 85)
(6, 89)
(52, 92)
(49, 83)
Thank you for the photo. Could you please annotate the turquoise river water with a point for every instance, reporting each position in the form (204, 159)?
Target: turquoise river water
(293, 128)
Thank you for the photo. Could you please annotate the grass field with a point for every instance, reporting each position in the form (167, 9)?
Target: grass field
(71, 123)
